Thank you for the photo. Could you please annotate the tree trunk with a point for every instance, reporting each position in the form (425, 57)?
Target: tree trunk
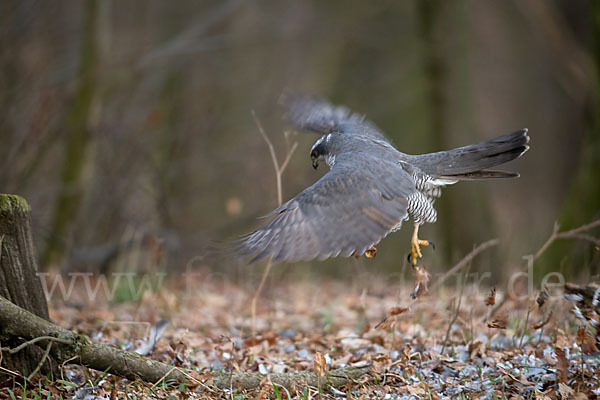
(19, 282)
(79, 143)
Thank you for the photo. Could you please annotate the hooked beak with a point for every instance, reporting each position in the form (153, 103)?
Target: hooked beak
(315, 164)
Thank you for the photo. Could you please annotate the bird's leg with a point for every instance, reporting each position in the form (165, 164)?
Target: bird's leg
(415, 248)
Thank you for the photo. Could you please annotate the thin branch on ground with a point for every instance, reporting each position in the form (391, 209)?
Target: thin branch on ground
(465, 261)
(279, 169)
(34, 341)
(42, 360)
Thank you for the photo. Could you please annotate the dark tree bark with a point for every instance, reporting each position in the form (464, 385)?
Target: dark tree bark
(19, 282)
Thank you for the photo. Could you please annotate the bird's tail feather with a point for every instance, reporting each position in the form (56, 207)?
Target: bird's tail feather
(471, 162)
(483, 174)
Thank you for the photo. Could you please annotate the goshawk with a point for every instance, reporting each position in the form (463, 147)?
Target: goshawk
(370, 189)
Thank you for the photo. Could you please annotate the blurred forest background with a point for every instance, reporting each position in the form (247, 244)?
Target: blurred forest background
(128, 126)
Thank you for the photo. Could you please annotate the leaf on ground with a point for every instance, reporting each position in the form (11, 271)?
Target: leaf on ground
(320, 364)
(397, 310)
(491, 299)
(586, 341)
(386, 324)
(422, 280)
(499, 323)
(565, 391)
(476, 348)
(562, 364)
(543, 322)
(542, 297)
(579, 396)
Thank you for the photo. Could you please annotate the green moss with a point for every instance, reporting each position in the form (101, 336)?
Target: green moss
(10, 203)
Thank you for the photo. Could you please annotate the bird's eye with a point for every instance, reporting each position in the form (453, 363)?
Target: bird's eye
(313, 154)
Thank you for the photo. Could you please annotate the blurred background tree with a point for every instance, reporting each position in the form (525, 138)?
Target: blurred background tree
(128, 126)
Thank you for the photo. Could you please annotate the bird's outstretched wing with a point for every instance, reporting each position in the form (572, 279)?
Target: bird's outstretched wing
(351, 208)
(317, 115)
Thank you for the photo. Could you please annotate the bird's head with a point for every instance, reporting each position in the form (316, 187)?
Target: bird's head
(319, 151)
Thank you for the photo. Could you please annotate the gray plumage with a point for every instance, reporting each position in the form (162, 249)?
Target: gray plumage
(371, 186)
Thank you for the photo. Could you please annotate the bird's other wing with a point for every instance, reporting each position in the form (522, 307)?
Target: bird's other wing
(350, 209)
(317, 115)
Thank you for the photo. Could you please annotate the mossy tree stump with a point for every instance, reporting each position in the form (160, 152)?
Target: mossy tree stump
(19, 281)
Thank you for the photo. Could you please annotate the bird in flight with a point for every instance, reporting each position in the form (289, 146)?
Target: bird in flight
(370, 188)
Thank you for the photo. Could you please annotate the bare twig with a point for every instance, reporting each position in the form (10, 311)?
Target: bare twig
(195, 380)
(457, 310)
(525, 326)
(572, 234)
(42, 360)
(287, 159)
(576, 233)
(163, 377)
(34, 341)
(279, 169)
(465, 261)
(273, 155)
(9, 371)
(257, 293)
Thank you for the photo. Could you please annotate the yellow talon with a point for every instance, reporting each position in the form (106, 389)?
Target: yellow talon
(415, 248)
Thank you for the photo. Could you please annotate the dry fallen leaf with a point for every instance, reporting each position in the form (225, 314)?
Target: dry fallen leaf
(586, 341)
(406, 352)
(386, 323)
(320, 364)
(422, 280)
(491, 299)
(499, 323)
(397, 310)
(544, 395)
(565, 391)
(416, 389)
(542, 297)
(562, 364)
(476, 348)
(579, 396)
(544, 322)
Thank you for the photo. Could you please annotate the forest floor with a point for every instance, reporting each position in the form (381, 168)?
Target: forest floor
(443, 345)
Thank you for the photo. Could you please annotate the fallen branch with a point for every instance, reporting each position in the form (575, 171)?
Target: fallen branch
(66, 346)
(34, 341)
(294, 380)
